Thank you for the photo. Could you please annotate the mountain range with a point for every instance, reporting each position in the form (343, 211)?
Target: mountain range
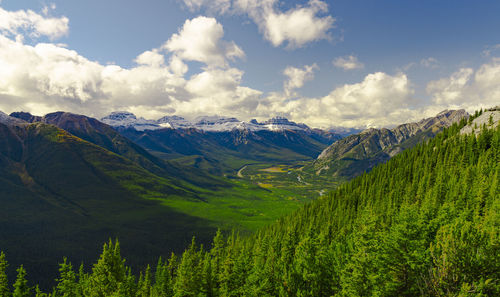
(223, 144)
(205, 123)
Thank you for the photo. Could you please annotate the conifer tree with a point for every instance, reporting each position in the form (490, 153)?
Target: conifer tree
(4, 282)
(21, 288)
(66, 283)
(108, 272)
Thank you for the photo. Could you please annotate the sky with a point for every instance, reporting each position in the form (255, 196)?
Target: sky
(348, 63)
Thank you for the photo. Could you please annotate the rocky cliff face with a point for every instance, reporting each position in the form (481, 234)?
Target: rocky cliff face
(490, 118)
(358, 153)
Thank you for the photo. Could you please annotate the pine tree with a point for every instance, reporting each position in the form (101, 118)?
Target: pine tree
(144, 284)
(21, 288)
(188, 280)
(39, 293)
(4, 282)
(66, 286)
(108, 272)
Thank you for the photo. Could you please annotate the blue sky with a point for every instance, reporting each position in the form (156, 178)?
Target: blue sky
(326, 63)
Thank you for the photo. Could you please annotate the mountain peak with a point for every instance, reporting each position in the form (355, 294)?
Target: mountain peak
(25, 116)
(6, 119)
(120, 115)
(129, 120)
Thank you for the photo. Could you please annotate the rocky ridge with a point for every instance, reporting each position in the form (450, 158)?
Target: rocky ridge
(373, 146)
(490, 118)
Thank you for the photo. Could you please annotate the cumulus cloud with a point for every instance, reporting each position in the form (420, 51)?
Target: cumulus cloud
(348, 63)
(200, 39)
(295, 27)
(468, 88)
(17, 22)
(48, 77)
(380, 99)
(151, 58)
(296, 77)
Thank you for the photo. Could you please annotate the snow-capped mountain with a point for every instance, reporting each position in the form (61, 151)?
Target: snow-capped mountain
(6, 119)
(129, 120)
(205, 123)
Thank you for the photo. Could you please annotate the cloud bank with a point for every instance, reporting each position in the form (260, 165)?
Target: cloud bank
(46, 77)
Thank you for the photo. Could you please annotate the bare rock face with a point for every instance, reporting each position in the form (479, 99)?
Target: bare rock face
(490, 118)
(373, 146)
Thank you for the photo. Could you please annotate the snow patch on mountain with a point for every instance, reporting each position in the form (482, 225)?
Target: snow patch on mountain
(205, 123)
(129, 120)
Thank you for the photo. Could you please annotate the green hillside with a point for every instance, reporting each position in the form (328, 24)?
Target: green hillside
(425, 223)
(63, 195)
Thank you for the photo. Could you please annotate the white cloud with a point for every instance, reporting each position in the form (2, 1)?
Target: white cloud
(449, 90)
(177, 66)
(16, 22)
(296, 77)
(214, 82)
(348, 63)
(151, 58)
(200, 39)
(468, 88)
(379, 100)
(296, 27)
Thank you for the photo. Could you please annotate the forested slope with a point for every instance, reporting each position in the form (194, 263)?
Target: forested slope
(425, 223)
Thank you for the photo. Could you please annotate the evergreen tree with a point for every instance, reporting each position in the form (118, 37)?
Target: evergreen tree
(4, 282)
(108, 273)
(67, 285)
(21, 288)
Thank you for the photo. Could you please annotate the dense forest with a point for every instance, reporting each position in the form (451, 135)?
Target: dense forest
(425, 223)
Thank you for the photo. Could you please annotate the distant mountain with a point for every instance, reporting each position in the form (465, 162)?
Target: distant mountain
(123, 119)
(229, 150)
(358, 153)
(222, 143)
(127, 119)
(5, 119)
(344, 131)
